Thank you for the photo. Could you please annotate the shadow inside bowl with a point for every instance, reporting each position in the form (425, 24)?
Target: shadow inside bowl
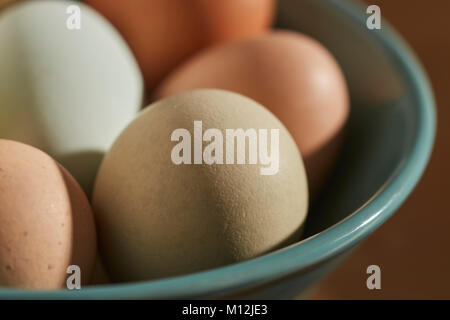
(381, 126)
(388, 141)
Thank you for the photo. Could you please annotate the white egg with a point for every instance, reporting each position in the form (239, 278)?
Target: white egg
(65, 90)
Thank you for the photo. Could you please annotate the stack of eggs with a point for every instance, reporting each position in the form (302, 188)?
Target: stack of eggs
(243, 128)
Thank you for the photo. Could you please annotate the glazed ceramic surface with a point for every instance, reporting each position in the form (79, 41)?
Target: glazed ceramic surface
(388, 142)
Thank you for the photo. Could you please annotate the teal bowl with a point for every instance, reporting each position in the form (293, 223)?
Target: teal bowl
(389, 139)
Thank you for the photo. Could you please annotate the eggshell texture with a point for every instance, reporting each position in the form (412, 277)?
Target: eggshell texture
(46, 222)
(289, 73)
(162, 33)
(67, 92)
(158, 219)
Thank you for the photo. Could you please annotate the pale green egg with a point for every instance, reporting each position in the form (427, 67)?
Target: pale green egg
(68, 82)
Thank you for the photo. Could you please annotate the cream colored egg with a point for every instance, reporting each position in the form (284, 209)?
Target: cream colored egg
(167, 204)
(291, 74)
(65, 90)
(46, 222)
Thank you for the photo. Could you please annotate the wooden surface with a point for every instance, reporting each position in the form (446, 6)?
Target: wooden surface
(413, 247)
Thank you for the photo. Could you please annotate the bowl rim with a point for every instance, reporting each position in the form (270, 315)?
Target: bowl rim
(319, 247)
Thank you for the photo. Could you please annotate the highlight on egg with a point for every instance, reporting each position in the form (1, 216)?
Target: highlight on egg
(46, 221)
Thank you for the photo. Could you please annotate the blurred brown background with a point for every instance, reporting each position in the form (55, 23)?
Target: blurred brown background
(413, 247)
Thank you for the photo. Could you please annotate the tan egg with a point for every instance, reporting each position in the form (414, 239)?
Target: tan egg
(46, 222)
(162, 33)
(160, 217)
(292, 75)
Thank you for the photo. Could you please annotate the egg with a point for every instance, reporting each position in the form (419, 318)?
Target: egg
(69, 92)
(162, 33)
(164, 207)
(46, 222)
(289, 73)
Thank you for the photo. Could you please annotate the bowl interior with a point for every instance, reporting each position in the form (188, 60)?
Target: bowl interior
(382, 124)
(388, 141)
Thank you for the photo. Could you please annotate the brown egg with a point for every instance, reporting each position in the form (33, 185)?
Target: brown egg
(46, 222)
(292, 75)
(99, 275)
(162, 33)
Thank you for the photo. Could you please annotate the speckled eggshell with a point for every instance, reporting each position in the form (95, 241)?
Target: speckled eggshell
(162, 33)
(159, 219)
(67, 92)
(292, 75)
(46, 222)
